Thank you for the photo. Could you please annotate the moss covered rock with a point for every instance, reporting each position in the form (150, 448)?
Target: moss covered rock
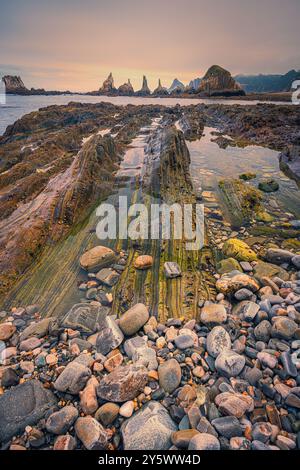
(227, 265)
(247, 176)
(264, 216)
(268, 186)
(263, 269)
(238, 250)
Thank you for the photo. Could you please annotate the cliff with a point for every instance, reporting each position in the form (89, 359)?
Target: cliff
(15, 85)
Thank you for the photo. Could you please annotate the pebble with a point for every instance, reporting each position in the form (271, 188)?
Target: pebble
(169, 374)
(127, 409)
(218, 340)
(61, 421)
(230, 364)
(204, 442)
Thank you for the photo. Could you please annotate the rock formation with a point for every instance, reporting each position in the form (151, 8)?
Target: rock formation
(219, 82)
(15, 85)
(145, 90)
(126, 89)
(108, 87)
(176, 86)
(290, 162)
(160, 90)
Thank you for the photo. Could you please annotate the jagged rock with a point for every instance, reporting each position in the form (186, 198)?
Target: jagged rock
(91, 433)
(218, 81)
(110, 337)
(145, 90)
(123, 384)
(290, 162)
(134, 319)
(23, 405)
(176, 86)
(97, 258)
(160, 90)
(108, 87)
(126, 89)
(15, 85)
(85, 317)
(149, 429)
(146, 357)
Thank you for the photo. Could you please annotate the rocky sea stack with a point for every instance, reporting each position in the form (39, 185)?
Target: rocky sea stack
(145, 90)
(108, 87)
(160, 90)
(15, 85)
(126, 89)
(219, 82)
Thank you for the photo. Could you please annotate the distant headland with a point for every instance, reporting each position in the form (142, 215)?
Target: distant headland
(217, 82)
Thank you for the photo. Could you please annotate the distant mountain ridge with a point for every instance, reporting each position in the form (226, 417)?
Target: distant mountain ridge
(268, 83)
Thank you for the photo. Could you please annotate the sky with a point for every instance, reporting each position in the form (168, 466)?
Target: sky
(75, 44)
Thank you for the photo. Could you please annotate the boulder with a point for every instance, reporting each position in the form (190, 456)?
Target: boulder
(23, 405)
(134, 319)
(149, 429)
(97, 258)
(123, 384)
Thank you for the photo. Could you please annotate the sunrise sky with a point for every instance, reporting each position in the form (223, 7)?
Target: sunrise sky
(73, 44)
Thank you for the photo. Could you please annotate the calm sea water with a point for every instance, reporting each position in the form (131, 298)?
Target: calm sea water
(16, 106)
